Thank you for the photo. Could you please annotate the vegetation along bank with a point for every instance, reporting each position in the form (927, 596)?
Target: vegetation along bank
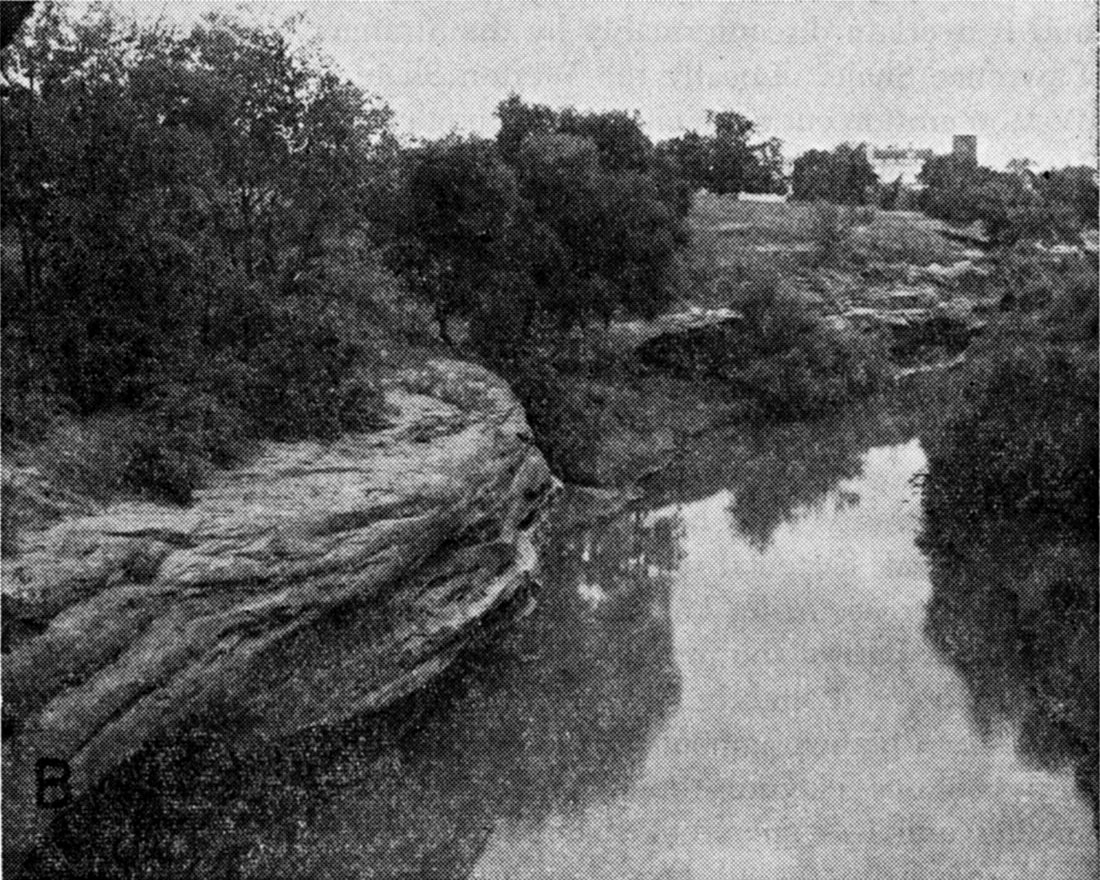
(237, 305)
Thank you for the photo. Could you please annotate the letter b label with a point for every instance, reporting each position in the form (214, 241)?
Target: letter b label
(51, 777)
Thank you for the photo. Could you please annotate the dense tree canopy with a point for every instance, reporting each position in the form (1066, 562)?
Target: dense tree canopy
(843, 176)
(1012, 205)
(462, 236)
(1074, 186)
(170, 201)
(727, 162)
(566, 216)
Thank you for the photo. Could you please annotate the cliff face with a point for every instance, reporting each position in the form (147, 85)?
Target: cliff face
(316, 583)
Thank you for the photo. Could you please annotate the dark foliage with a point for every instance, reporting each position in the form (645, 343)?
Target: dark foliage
(1010, 513)
(782, 357)
(12, 16)
(171, 203)
(567, 217)
(1074, 186)
(842, 176)
(726, 162)
(1012, 206)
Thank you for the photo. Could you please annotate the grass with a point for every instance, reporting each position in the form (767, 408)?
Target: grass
(735, 240)
(906, 237)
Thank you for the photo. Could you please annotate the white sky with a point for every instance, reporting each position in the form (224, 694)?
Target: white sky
(1021, 76)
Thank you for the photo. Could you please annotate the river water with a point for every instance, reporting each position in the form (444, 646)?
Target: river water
(766, 705)
(733, 678)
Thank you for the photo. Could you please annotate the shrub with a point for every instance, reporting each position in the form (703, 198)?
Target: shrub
(27, 403)
(307, 379)
(1022, 438)
(1012, 207)
(177, 438)
(1074, 313)
(559, 411)
(818, 370)
(783, 356)
(1010, 508)
(831, 231)
(182, 247)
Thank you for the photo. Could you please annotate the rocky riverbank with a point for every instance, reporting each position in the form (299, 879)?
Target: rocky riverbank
(318, 582)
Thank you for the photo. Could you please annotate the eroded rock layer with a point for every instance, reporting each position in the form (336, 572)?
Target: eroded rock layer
(316, 583)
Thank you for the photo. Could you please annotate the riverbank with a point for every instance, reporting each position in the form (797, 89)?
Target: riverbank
(318, 582)
(699, 652)
(771, 327)
(327, 581)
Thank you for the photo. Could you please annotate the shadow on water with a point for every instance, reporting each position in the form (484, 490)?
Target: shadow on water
(1015, 615)
(778, 473)
(1010, 533)
(552, 716)
(557, 712)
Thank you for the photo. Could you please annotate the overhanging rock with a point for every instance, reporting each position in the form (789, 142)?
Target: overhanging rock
(319, 582)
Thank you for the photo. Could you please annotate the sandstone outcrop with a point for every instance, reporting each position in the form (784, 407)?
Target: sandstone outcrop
(317, 582)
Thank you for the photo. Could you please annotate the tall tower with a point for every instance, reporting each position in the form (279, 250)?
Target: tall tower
(965, 146)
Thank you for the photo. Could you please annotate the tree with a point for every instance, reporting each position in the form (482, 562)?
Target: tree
(614, 205)
(518, 120)
(726, 162)
(12, 16)
(460, 228)
(843, 176)
(1012, 205)
(565, 218)
(172, 195)
(1020, 167)
(1075, 187)
(1011, 212)
(621, 228)
(946, 180)
(621, 145)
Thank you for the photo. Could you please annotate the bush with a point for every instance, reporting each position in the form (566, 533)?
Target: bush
(182, 247)
(177, 438)
(1012, 207)
(832, 229)
(1021, 441)
(783, 357)
(28, 405)
(1074, 312)
(306, 379)
(565, 420)
(1010, 508)
(819, 370)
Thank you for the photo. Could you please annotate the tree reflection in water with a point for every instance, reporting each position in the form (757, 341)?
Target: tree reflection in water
(1014, 610)
(778, 481)
(556, 715)
(777, 473)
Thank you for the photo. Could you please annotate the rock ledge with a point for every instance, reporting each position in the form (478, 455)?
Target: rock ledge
(318, 582)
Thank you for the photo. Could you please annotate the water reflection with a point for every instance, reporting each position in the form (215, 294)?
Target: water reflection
(1015, 612)
(777, 474)
(552, 718)
(817, 734)
(780, 481)
(687, 700)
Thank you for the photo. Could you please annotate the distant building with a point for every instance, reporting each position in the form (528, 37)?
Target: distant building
(761, 197)
(965, 146)
(891, 163)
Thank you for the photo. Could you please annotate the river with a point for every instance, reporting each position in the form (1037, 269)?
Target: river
(735, 677)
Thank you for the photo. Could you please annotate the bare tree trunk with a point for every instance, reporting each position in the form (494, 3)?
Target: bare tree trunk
(246, 226)
(441, 318)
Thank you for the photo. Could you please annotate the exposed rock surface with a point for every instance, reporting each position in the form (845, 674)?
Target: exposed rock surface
(318, 582)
